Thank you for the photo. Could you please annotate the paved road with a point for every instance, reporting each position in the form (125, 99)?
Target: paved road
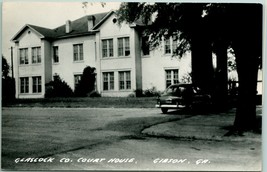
(102, 139)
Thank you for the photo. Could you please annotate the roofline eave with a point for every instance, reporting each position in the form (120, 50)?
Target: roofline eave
(13, 39)
(92, 32)
(103, 20)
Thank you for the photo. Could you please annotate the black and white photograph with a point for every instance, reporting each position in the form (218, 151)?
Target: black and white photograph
(132, 86)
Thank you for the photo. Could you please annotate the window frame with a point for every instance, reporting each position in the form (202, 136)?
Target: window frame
(25, 57)
(167, 46)
(79, 76)
(36, 55)
(109, 47)
(108, 81)
(24, 85)
(145, 46)
(55, 54)
(36, 84)
(125, 80)
(172, 44)
(79, 54)
(124, 47)
(171, 77)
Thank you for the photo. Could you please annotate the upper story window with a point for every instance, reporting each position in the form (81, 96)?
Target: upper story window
(78, 52)
(171, 77)
(167, 46)
(24, 85)
(124, 46)
(145, 45)
(125, 80)
(23, 56)
(170, 45)
(36, 84)
(36, 55)
(55, 54)
(107, 48)
(108, 80)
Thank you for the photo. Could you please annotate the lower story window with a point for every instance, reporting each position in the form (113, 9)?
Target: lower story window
(36, 84)
(24, 85)
(77, 79)
(171, 77)
(125, 80)
(108, 80)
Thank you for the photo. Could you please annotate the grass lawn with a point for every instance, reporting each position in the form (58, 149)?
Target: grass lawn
(97, 102)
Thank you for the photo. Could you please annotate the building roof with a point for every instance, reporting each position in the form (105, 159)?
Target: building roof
(79, 27)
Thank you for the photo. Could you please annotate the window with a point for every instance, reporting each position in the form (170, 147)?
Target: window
(108, 81)
(77, 79)
(171, 44)
(145, 45)
(107, 48)
(24, 85)
(36, 84)
(125, 80)
(124, 46)
(36, 55)
(78, 52)
(167, 46)
(172, 77)
(55, 54)
(174, 44)
(23, 56)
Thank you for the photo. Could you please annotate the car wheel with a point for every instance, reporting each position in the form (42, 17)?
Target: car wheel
(164, 110)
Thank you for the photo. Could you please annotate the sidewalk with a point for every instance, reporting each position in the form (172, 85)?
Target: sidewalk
(203, 127)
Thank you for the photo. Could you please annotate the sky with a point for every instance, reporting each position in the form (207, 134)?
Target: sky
(15, 14)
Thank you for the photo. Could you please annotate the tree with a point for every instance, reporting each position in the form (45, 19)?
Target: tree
(58, 88)
(5, 68)
(87, 82)
(8, 83)
(204, 28)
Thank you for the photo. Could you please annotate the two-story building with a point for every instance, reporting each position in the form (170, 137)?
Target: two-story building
(122, 60)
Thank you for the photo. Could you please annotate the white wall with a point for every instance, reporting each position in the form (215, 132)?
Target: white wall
(67, 67)
(155, 64)
(29, 39)
(115, 64)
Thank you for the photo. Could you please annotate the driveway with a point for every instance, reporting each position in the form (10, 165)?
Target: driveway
(109, 138)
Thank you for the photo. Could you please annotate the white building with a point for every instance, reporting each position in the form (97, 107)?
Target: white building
(123, 63)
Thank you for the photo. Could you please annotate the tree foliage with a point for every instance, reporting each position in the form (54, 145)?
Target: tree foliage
(5, 68)
(87, 82)
(8, 83)
(203, 28)
(58, 88)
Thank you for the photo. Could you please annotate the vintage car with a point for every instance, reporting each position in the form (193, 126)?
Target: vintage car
(182, 96)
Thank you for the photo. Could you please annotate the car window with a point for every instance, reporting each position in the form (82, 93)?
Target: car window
(174, 91)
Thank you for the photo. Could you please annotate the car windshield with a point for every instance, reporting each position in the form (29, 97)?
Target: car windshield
(174, 91)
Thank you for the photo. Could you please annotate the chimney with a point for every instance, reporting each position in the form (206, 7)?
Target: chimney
(91, 22)
(68, 26)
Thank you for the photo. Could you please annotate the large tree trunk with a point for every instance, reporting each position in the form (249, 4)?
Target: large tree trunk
(221, 75)
(247, 45)
(202, 67)
(247, 69)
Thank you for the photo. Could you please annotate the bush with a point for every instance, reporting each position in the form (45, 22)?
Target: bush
(8, 90)
(58, 88)
(152, 92)
(94, 94)
(87, 82)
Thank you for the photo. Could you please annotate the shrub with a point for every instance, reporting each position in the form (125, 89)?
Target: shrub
(152, 92)
(58, 88)
(94, 94)
(87, 82)
(8, 90)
